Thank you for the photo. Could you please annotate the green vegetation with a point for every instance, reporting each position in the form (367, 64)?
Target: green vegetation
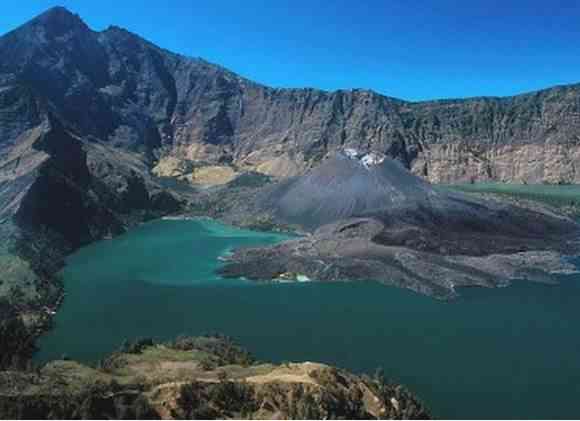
(97, 400)
(401, 404)
(165, 381)
(209, 352)
(195, 401)
(16, 341)
(565, 197)
(349, 402)
(137, 346)
(220, 350)
(28, 292)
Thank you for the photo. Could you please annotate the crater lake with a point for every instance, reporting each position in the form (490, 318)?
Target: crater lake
(499, 353)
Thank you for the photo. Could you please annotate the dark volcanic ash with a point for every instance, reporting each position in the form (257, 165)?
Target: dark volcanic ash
(371, 219)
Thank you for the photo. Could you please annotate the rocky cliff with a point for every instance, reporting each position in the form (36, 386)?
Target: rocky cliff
(181, 112)
(58, 191)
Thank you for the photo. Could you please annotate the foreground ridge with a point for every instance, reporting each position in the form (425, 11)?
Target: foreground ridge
(199, 378)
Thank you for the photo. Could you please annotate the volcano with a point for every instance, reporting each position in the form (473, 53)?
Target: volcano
(347, 185)
(368, 218)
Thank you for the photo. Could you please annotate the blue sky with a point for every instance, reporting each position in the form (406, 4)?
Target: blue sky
(412, 49)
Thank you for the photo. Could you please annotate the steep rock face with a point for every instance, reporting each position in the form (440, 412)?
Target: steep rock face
(58, 103)
(117, 87)
(552, 163)
(81, 191)
(58, 192)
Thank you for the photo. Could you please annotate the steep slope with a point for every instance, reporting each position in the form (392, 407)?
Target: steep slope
(119, 88)
(414, 212)
(57, 193)
(346, 186)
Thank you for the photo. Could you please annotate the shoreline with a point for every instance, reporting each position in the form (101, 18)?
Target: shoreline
(47, 311)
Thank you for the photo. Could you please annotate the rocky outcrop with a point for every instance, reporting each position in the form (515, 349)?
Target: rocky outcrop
(200, 378)
(80, 191)
(118, 88)
(525, 164)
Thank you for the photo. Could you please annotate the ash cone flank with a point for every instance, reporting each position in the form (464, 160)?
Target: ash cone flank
(371, 219)
(347, 185)
(412, 211)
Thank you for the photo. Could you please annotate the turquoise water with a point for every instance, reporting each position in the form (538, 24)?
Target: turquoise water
(503, 353)
(570, 191)
(556, 195)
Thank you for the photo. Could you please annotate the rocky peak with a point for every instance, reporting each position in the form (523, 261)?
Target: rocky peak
(45, 43)
(58, 21)
(117, 87)
(123, 35)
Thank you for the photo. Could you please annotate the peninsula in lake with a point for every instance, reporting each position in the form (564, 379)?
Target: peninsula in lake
(365, 217)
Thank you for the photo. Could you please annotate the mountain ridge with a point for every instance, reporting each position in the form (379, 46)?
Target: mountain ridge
(192, 110)
(92, 122)
(63, 10)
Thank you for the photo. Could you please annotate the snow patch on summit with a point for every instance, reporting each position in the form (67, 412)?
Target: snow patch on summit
(351, 153)
(367, 160)
(372, 159)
